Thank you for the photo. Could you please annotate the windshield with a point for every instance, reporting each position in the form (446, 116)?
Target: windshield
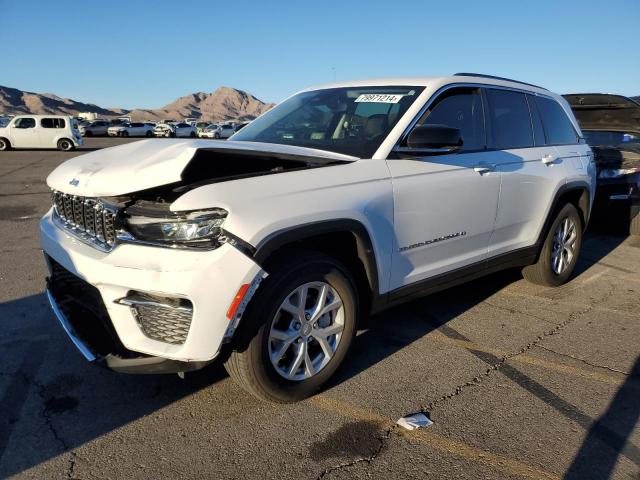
(611, 139)
(349, 120)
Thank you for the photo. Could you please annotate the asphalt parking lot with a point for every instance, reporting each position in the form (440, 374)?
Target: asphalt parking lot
(520, 381)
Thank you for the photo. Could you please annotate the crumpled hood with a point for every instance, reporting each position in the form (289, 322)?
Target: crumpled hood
(605, 112)
(144, 164)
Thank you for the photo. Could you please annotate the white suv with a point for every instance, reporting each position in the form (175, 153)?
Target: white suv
(264, 251)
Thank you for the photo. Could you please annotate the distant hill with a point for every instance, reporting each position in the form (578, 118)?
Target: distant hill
(225, 103)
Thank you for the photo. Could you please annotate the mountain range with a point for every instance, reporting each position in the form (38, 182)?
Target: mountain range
(225, 103)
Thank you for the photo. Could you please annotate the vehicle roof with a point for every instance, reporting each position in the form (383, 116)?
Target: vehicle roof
(433, 81)
(42, 116)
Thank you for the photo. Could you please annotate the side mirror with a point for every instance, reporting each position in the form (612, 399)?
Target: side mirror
(435, 137)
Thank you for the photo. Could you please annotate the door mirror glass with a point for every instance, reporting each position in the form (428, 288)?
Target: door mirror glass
(435, 137)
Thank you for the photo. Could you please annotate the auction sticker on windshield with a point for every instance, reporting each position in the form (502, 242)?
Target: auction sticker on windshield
(379, 98)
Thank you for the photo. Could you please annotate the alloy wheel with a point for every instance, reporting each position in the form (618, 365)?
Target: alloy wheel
(306, 330)
(564, 245)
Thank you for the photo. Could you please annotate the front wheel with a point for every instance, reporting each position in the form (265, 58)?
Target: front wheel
(149, 133)
(125, 133)
(296, 330)
(65, 144)
(4, 144)
(560, 250)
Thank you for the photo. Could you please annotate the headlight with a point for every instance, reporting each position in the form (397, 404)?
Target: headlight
(617, 172)
(193, 229)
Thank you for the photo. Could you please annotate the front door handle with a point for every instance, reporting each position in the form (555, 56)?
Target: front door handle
(484, 168)
(549, 159)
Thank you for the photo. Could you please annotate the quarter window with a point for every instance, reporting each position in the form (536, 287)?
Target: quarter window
(510, 120)
(52, 123)
(25, 123)
(459, 108)
(557, 125)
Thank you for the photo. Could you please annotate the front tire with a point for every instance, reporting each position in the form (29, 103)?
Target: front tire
(125, 134)
(4, 145)
(149, 134)
(65, 145)
(296, 331)
(560, 250)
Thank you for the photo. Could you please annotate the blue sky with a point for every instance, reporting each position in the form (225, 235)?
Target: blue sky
(147, 53)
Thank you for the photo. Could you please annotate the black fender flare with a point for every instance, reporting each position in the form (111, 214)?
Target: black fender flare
(573, 186)
(366, 253)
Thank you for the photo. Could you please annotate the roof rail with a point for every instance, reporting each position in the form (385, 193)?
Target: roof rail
(481, 75)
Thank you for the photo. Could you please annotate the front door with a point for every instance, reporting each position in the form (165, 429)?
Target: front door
(444, 205)
(24, 133)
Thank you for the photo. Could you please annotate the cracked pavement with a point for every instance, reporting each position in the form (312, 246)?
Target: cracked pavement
(521, 381)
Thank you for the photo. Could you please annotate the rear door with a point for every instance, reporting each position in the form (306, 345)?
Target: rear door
(444, 204)
(531, 169)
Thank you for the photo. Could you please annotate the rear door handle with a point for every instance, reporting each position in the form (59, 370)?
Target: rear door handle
(485, 168)
(548, 159)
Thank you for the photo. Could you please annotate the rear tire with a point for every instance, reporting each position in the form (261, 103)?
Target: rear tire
(4, 144)
(560, 250)
(634, 219)
(125, 134)
(65, 145)
(253, 363)
(149, 133)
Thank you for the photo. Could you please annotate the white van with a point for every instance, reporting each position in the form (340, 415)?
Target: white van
(40, 131)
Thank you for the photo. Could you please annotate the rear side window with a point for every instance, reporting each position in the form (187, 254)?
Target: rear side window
(52, 123)
(510, 120)
(459, 108)
(557, 125)
(536, 121)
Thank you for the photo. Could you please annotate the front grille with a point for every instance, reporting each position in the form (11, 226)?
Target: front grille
(84, 309)
(88, 218)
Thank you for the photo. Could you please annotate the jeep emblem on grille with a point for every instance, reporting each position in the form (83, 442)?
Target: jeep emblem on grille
(74, 182)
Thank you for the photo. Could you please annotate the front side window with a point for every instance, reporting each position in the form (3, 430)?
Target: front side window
(510, 120)
(459, 108)
(349, 120)
(25, 122)
(557, 125)
(52, 123)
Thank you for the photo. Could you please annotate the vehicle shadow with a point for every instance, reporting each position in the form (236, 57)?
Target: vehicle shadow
(48, 391)
(599, 453)
(44, 383)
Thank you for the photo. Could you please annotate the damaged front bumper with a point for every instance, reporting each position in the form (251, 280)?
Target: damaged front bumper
(90, 285)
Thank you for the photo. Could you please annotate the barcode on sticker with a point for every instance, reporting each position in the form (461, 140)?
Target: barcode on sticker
(379, 98)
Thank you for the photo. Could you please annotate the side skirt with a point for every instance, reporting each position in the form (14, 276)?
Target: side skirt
(517, 258)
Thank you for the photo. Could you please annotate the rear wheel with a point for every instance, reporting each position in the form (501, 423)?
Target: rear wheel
(65, 144)
(296, 330)
(560, 250)
(125, 133)
(4, 144)
(149, 133)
